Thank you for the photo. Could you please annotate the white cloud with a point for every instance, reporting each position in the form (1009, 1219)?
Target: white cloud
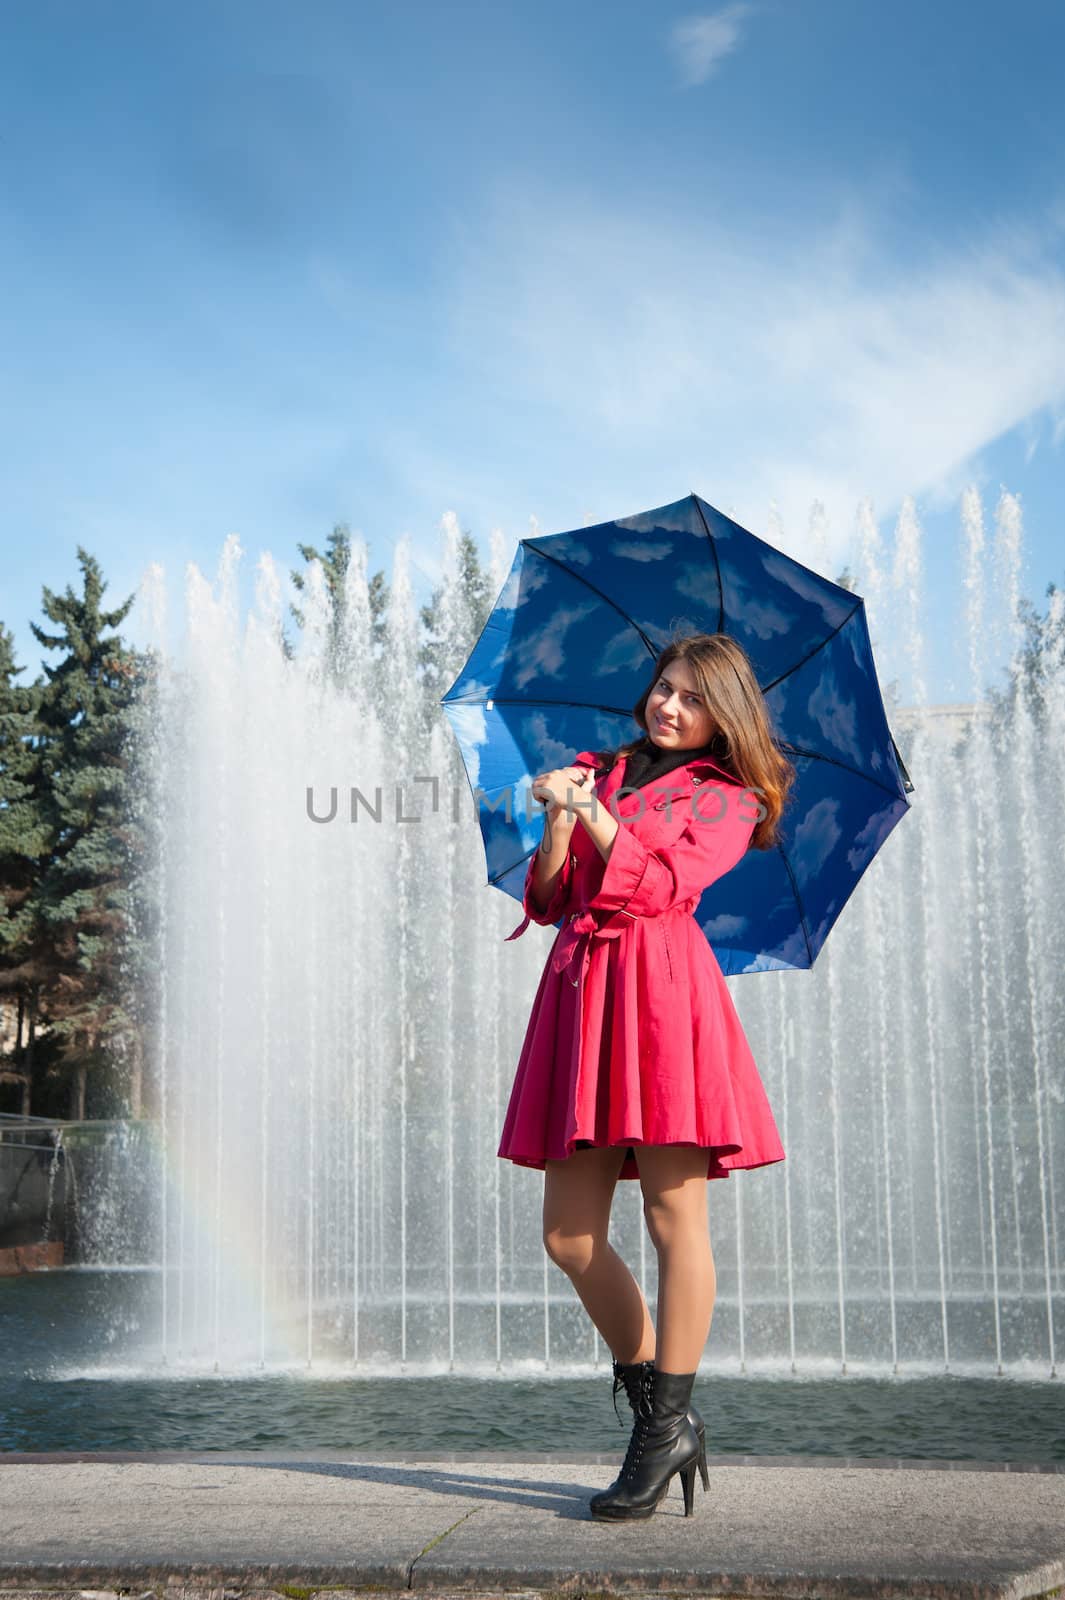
(699, 43)
(830, 370)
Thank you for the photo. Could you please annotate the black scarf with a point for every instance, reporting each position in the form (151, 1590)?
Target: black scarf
(649, 762)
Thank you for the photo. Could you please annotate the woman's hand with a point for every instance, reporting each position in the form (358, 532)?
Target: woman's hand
(569, 793)
(561, 791)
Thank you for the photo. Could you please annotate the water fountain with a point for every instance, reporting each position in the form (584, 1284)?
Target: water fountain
(340, 1018)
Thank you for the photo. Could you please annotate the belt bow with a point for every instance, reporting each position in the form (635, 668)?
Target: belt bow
(575, 939)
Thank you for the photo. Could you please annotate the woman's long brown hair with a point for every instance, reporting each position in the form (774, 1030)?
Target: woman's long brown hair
(744, 745)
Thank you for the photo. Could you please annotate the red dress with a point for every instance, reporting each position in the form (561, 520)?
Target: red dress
(633, 1037)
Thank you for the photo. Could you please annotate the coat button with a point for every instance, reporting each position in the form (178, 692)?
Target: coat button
(573, 860)
(697, 780)
(659, 804)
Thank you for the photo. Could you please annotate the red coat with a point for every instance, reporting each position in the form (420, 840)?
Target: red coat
(633, 1037)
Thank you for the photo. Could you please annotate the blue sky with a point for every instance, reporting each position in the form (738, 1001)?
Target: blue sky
(268, 267)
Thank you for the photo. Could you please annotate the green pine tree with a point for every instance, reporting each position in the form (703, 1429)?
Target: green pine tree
(25, 967)
(451, 622)
(82, 899)
(335, 564)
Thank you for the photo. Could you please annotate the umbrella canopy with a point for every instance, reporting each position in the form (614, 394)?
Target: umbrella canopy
(569, 648)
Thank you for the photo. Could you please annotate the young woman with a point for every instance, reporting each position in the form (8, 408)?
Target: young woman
(635, 1064)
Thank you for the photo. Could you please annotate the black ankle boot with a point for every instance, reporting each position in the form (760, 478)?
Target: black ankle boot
(629, 1376)
(663, 1442)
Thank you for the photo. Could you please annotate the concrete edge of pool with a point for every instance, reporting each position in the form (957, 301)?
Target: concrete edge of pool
(509, 1521)
(582, 1457)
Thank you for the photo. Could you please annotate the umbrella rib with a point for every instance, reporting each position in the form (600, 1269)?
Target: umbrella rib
(907, 784)
(583, 705)
(717, 566)
(800, 908)
(817, 755)
(820, 645)
(579, 578)
(501, 875)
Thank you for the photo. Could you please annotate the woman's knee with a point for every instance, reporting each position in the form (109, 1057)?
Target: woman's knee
(573, 1252)
(673, 1180)
(662, 1222)
(677, 1217)
(577, 1200)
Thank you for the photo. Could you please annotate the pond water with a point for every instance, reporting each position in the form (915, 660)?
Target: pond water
(74, 1377)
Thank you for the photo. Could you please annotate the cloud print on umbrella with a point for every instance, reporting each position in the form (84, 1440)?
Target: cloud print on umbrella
(725, 926)
(638, 550)
(818, 834)
(569, 648)
(546, 653)
(836, 715)
(868, 841)
(763, 619)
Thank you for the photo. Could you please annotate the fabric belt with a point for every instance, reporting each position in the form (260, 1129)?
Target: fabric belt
(574, 941)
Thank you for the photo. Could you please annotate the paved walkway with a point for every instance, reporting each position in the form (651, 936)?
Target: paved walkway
(489, 1523)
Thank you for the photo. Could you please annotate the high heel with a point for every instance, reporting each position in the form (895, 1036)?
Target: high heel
(663, 1442)
(703, 1473)
(628, 1376)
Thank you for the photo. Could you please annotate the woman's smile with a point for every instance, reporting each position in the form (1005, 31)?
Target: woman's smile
(677, 715)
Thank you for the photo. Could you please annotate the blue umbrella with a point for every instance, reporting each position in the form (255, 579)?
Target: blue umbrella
(569, 647)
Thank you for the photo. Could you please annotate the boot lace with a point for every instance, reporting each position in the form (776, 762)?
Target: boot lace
(642, 1426)
(619, 1383)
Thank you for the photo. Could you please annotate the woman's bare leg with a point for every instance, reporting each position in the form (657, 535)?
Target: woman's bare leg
(673, 1179)
(577, 1197)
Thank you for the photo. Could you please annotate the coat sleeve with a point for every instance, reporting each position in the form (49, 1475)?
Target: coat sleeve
(556, 907)
(644, 881)
(556, 904)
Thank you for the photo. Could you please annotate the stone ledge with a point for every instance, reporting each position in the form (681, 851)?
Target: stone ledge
(298, 1526)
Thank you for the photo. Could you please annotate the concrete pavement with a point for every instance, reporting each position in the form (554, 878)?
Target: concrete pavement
(490, 1523)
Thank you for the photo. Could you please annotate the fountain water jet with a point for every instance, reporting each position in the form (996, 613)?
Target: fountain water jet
(340, 1019)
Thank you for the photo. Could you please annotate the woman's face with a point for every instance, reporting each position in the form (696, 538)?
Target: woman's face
(677, 716)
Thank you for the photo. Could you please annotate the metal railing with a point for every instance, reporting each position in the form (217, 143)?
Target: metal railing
(14, 1128)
